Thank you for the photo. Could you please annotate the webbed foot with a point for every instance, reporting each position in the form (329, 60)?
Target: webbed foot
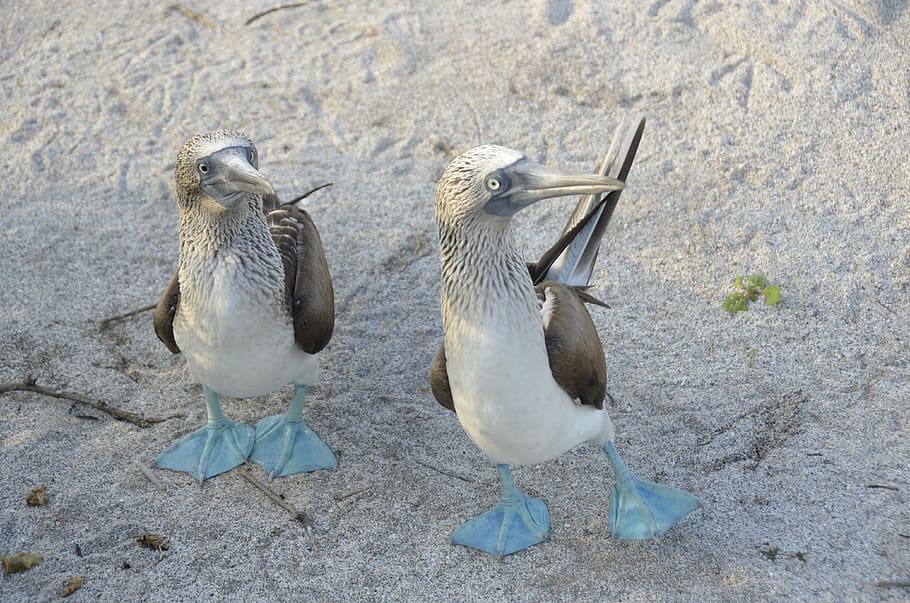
(210, 450)
(641, 510)
(286, 445)
(516, 523)
(218, 447)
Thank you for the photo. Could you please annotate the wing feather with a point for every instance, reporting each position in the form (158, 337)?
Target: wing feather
(164, 314)
(308, 283)
(573, 347)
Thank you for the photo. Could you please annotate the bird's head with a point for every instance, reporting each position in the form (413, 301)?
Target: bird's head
(220, 167)
(491, 182)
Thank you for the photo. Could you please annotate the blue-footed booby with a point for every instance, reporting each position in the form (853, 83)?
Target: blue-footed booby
(521, 363)
(250, 307)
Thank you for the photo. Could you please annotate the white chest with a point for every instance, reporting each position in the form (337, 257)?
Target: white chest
(235, 330)
(505, 395)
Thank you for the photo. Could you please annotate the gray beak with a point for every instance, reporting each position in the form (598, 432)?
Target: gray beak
(530, 182)
(228, 177)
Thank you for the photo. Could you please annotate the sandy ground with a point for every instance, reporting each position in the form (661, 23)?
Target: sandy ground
(776, 143)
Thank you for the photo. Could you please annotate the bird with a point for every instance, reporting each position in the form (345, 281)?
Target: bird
(521, 362)
(250, 307)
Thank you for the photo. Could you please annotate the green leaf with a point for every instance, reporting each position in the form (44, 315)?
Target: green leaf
(735, 302)
(772, 295)
(738, 283)
(756, 281)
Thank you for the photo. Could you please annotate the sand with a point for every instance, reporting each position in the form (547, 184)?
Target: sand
(776, 143)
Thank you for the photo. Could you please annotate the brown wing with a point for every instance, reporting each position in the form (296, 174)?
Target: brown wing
(573, 346)
(308, 283)
(439, 379)
(270, 202)
(164, 314)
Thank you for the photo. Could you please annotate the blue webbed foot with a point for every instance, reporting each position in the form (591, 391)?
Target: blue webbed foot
(642, 510)
(285, 445)
(210, 450)
(218, 447)
(516, 523)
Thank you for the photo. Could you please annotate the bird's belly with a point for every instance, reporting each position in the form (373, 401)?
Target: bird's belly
(511, 407)
(240, 347)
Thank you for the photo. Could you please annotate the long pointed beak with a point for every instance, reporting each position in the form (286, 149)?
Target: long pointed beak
(529, 182)
(230, 176)
(532, 182)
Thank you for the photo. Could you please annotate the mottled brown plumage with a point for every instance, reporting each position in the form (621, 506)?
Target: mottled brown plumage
(573, 347)
(307, 283)
(250, 307)
(164, 314)
(574, 350)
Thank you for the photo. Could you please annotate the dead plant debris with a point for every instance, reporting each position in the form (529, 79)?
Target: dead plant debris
(151, 540)
(20, 562)
(38, 496)
(74, 584)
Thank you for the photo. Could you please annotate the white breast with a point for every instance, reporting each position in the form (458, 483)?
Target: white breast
(236, 333)
(505, 395)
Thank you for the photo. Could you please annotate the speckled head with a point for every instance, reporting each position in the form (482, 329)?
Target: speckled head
(220, 166)
(469, 182)
(489, 182)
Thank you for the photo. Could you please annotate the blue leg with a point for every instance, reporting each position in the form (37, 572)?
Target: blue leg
(641, 510)
(516, 523)
(285, 445)
(218, 447)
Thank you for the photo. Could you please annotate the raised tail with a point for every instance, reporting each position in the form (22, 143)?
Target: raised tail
(571, 259)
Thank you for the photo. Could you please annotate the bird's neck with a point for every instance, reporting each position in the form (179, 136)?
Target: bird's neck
(239, 237)
(484, 279)
(208, 230)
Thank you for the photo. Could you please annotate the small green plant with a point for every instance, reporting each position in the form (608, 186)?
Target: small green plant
(749, 289)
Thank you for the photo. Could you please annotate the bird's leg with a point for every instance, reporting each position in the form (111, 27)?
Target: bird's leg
(517, 522)
(285, 445)
(218, 447)
(642, 510)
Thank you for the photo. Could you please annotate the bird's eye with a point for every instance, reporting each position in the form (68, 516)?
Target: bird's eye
(494, 183)
(203, 168)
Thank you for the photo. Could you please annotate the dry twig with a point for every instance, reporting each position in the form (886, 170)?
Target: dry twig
(883, 487)
(437, 469)
(272, 10)
(342, 497)
(193, 15)
(106, 322)
(308, 193)
(29, 385)
(300, 516)
(150, 476)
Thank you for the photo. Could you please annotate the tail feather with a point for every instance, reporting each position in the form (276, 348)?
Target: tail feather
(571, 259)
